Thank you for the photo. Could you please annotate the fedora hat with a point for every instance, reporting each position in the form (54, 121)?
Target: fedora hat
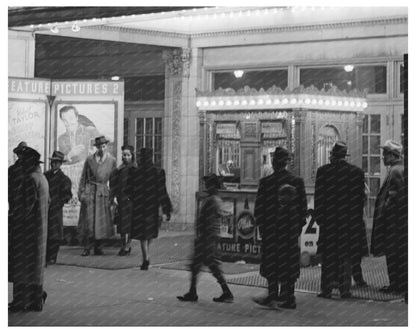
(340, 149)
(393, 147)
(30, 156)
(213, 180)
(58, 156)
(281, 154)
(100, 140)
(20, 147)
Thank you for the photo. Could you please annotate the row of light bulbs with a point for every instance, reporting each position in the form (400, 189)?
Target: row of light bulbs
(54, 27)
(284, 101)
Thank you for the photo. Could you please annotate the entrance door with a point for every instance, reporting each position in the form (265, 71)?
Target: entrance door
(145, 125)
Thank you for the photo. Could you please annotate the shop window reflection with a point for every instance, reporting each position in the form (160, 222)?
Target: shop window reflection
(327, 137)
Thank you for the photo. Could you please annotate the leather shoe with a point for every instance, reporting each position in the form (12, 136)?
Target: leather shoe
(347, 294)
(388, 289)
(288, 305)
(188, 297)
(224, 298)
(325, 295)
(98, 252)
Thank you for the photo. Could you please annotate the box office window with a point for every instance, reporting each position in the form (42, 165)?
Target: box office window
(371, 158)
(373, 78)
(228, 151)
(253, 79)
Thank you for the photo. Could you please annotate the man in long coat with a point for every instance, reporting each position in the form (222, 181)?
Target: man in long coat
(29, 232)
(16, 173)
(339, 204)
(280, 223)
(60, 193)
(147, 190)
(389, 236)
(95, 223)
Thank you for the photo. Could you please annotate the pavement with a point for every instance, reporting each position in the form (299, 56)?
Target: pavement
(84, 295)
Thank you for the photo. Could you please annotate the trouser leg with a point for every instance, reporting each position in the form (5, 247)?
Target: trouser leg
(216, 271)
(52, 250)
(287, 290)
(328, 270)
(195, 269)
(344, 276)
(357, 272)
(392, 269)
(273, 288)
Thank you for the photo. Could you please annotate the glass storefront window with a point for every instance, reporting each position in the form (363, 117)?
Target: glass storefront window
(373, 78)
(149, 135)
(375, 145)
(254, 79)
(375, 123)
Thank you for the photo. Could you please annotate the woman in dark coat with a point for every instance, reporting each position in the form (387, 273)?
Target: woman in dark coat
(29, 232)
(147, 190)
(60, 193)
(280, 212)
(118, 186)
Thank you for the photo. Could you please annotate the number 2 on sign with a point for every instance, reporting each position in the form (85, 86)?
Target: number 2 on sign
(310, 229)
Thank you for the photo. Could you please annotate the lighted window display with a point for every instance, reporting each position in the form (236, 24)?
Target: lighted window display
(373, 78)
(371, 158)
(327, 137)
(228, 152)
(254, 79)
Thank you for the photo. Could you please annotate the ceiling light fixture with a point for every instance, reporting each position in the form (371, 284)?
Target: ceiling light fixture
(238, 73)
(348, 68)
(75, 28)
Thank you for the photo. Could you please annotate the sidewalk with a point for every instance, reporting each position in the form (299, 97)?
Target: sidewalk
(80, 296)
(123, 295)
(173, 250)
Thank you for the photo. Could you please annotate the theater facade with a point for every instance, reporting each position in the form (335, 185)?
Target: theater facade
(216, 89)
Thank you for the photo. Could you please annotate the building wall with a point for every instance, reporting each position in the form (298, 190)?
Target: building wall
(21, 54)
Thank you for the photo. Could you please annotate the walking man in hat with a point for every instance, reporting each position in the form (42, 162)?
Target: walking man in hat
(95, 222)
(280, 212)
(207, 233)
(389, 236)
(60, 193)
(339, 204)
(29, 232)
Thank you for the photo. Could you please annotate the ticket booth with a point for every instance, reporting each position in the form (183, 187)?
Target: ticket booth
(240, 130)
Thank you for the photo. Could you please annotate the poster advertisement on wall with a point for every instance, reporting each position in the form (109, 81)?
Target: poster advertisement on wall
(26, 123)
(78, 124)
(28, 115)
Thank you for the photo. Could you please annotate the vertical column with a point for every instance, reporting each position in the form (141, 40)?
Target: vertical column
(181, 138)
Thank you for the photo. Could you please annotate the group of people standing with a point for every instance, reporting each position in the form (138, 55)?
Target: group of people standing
(36, 200)
(339, 206)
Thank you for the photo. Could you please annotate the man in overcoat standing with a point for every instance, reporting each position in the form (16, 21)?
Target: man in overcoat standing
(280, 212)
(95, 223)
(389, 236)
(339, 204)
(60, 193)
(29, 232)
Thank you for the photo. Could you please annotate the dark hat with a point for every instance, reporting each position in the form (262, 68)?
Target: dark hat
(340, 149)
(281, 154)
(393, 147)
(128, 147)
(20, 147)
(213, 180)
(146, 153)
(100, 140)
(30, 156)
(58, 156)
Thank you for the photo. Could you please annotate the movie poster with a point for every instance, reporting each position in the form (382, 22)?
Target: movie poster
(78, 124)
(26, 123)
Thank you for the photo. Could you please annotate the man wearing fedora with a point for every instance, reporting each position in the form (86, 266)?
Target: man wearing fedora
(280, 212)
(60, 193)
(95, 223)
(389, 235)
(339, 209)
(29, 233)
